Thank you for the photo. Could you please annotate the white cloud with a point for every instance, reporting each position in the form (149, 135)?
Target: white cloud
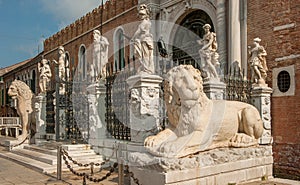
(67, 11)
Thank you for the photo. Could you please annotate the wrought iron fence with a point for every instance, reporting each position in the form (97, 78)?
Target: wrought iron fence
(238, 88)
(117, 105)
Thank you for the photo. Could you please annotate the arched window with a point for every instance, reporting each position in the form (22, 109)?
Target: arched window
(82, 63)
(119, 49)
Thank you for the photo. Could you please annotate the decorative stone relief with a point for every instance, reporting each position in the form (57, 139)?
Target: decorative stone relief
(40, 116)
(197, 123)
(260, 98)
(204, 159)
(144, 106)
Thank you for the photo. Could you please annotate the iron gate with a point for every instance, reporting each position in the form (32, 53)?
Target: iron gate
(72, 112)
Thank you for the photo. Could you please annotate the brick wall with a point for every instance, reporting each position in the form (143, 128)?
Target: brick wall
(277, 22)
(115, 13)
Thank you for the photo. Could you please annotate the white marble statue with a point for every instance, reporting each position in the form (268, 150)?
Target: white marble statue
(197, 123)
(208, 53)
(100, 56)
(143, 42)
(21, 92)
(258, 62)
(45, 74)
(63, 64)
(63, 67)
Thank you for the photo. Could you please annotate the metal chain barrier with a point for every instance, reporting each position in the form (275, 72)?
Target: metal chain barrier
(89, 176)
(11, 146)
(131, 175)
(64, 154)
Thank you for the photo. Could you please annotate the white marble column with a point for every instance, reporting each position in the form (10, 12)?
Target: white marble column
(234, 37)
(244, 52)
(221, 34)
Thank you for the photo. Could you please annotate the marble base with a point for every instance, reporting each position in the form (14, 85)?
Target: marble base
(215, 167)
(214, 90)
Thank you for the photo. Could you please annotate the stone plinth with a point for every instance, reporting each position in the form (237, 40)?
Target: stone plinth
(40, 116)
(144, 106)
(214, 90)
(261, 99)
(97, 109)
(215, 167)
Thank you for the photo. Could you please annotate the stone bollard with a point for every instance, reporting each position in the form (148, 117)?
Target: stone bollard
(144, 106)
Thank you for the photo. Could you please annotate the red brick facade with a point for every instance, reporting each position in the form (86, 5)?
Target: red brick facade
(115, 13)
(277, 22)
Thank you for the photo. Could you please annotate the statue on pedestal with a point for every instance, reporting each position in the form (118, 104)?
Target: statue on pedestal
(20, 91)
(100, 56)
(45, 74)
(63, 67)
(258, 63)
(143, 42)
(208, 53)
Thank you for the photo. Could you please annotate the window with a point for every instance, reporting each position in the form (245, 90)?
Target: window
(284, 81)
(119, 51)
(82, 63)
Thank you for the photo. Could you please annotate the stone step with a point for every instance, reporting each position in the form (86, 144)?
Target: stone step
(77, 147)
(42, 157)
(40, 150)
(30, 163)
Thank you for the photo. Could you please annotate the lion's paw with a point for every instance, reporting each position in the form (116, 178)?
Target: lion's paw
(151, 141)
(242, 140)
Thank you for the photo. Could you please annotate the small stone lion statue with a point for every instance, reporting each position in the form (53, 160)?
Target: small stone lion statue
(197, 123)
(21, 92)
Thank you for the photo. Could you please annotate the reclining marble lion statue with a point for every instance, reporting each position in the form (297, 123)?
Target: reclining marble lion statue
(197, 123)
(21, 92)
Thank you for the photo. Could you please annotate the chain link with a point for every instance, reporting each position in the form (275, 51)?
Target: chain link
(131, 175)
(85, 175)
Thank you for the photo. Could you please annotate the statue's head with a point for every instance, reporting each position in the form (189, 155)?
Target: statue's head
(19, 89)
(206, 28)
(144, 11)
(96, 35)
(61, 49)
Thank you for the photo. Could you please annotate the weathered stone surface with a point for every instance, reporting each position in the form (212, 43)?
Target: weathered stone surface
(197, 123)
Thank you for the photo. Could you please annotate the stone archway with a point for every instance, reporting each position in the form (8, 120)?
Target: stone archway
(185, 38)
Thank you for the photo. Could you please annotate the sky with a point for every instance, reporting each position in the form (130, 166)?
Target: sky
(26, 23)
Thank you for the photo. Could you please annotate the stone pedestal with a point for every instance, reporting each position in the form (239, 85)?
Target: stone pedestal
(40, 116)
(261, 99)
(97, 109)
(214, 167)
(144, 106)
(214, 90)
